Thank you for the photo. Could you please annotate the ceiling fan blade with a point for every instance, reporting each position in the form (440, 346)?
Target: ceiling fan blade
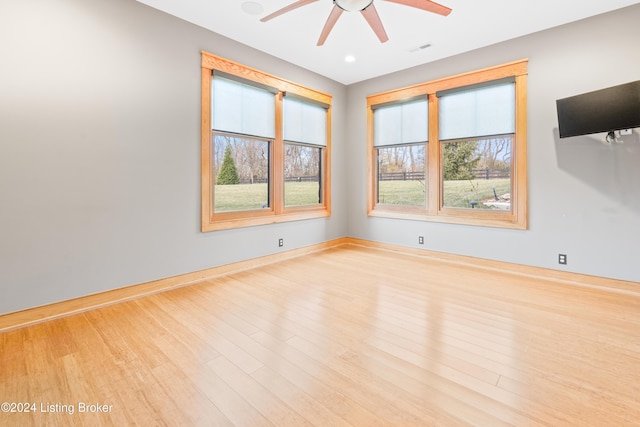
(328, 26)
(286, 9)
(428, 5)
(372, 17)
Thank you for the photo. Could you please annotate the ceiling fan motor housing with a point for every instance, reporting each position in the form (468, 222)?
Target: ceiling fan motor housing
(353, 5)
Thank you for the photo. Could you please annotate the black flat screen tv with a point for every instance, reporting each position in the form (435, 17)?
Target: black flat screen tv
(604, 110)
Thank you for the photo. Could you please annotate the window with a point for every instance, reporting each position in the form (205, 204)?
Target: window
(265, 148)
(242, 118)
(452, 150)
(305, 135)
(476, 129)
(400, 144)
(241, 172)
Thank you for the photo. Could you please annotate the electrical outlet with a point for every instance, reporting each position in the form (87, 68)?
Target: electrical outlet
(562, 259)
(280, 243)
(421, 240)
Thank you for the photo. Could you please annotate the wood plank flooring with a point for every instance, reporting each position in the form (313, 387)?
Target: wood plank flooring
(350, 336)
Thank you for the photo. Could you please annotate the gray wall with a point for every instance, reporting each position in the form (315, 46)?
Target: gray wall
(584, 197)
(100, 157)
(100, 151)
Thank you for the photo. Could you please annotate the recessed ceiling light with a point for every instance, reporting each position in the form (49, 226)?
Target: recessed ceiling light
(350, 58)
(252, 8)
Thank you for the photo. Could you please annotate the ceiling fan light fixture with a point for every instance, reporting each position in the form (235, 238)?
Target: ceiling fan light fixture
(353, 5)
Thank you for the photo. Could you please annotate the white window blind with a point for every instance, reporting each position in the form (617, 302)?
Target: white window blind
(401, 123)
(483, 111)
(304, 122)
(241, 108)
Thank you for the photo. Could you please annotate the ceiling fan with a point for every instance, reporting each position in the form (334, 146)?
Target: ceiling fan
(366, 8)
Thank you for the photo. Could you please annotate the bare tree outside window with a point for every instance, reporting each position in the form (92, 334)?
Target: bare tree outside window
(401, 175)
(251, 159)
(302, 169)
(477, 173)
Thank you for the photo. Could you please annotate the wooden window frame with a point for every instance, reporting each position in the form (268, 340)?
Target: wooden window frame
(277, 212)
(517, 217)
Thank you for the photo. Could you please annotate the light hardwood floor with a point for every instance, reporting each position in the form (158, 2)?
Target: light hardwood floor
(347, 336)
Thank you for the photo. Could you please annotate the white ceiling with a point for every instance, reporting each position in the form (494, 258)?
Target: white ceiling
(293, 36)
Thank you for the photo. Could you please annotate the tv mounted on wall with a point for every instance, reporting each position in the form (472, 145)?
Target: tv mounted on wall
(604, 110)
